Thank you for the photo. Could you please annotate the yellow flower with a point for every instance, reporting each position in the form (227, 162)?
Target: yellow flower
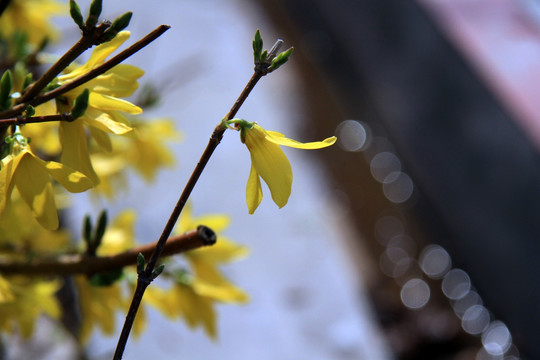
(209, 281)
(105, 112)
(193, 297)
(31, 176)
(269, 162)
(98, 306)
(146, 152)
(26, 300)
(30, 17)
(21, 237)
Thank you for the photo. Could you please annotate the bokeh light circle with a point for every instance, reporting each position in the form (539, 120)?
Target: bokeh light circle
(415, 293)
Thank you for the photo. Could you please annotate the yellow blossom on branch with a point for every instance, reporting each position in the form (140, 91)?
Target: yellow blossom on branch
(269, 162)
(32, 178)
(27, 300)
(31, 17)
(106, 109)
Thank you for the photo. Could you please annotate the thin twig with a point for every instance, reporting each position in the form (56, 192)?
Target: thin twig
(109, 64)
(86, 41)
(77, 264)
(21, 120)
(146, 277)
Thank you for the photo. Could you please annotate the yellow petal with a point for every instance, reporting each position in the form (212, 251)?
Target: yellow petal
(104, 122)
(254, 193)
(35, 188)
(72, 180)
(120, 81)
(75, 148)
(270, 163)
(280, 139)
(107, 103)
(101, 138)
(9, 165)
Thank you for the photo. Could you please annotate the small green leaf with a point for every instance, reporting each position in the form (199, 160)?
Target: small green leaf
(119, 24)
(140, 263)
(106, 278)
(281, 59)
(263, 57)
(93, 14)
(76, 15)
(100, 229)
(87, 230)
(80, 104)
(27, 81)
(257, 46)
(157, 271)
(6, 84)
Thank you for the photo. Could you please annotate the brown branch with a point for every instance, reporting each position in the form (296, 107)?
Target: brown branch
(109, 64)
(78, 264)
(21, 120)
(86, 41)
(146, 277)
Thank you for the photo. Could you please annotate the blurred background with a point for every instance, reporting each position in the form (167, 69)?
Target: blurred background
(416, 236)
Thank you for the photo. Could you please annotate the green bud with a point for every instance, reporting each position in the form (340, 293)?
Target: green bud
(87, 229)
(119, 24)
(257, 46)
(263, 57)
(30, 111)
(140, 263)
(157, 271)
(6, 84)
(76, 15)
(100, 229)
(27, 81)
(80, 105)
(281, 59)
(93, 14)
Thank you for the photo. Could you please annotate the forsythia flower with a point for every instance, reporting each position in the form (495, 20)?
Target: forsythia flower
(105, 108)
(26, 300)
(193, 297)
(269, 162)
(31, 176)
(31, 17)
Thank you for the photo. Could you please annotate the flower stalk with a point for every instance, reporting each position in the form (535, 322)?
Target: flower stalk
(146, 277)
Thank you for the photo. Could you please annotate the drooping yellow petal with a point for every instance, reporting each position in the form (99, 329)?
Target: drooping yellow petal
(72, 180)
(33, 184)
(101, 137)
(104, 122)
(9, 165)
(75, 148)
(270, 163)
(254, 193)
(280, 139)
(109, 103)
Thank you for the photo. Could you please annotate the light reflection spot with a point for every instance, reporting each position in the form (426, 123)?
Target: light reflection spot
(475, 320)
(384, 164)
(415, 293)
(398, 187)
(352, 135)
(496, 339)
(435, 261)
(456, 284)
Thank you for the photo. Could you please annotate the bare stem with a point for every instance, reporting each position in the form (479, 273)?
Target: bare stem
(77, 264)
(88, 40)
(109, 64)
(21, 120)
(145, 278)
